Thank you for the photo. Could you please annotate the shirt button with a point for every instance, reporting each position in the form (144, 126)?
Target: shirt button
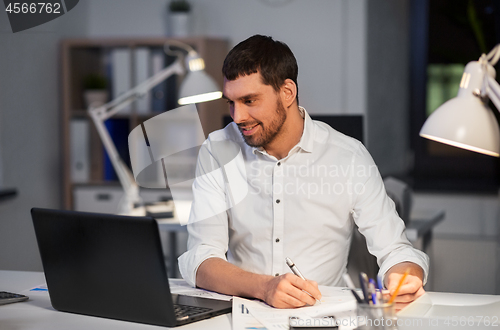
(277, 240)
(278, 201)
(279, 163)
(277, 274)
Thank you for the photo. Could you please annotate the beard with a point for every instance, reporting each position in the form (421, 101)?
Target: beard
(267, 132)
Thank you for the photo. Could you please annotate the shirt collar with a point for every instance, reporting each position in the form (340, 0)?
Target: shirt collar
(306, 141)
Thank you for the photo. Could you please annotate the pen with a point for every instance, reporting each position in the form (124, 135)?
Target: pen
(294, 268)
(399, 286)
(381, 288)
(373, 291)
(363, 282)
(297, 272)
(351, 286)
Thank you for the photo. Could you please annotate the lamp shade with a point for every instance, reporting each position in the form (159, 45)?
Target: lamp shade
(466, 121)
(198, 87)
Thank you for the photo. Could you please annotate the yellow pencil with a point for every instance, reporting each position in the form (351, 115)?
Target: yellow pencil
(399, 286)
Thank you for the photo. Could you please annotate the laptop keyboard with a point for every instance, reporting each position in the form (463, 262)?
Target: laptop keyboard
(183, 311)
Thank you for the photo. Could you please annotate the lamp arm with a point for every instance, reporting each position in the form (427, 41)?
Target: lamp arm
(493, 91)
(126, 179)
(111, 108)
(100, 114)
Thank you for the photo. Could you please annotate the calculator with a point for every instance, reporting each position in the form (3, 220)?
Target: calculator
(9, 297)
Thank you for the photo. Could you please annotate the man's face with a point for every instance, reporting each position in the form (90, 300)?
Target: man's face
(256, 108)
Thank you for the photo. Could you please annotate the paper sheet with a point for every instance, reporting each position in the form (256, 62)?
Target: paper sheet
(179, 286)
(338, 302)
(242, 319)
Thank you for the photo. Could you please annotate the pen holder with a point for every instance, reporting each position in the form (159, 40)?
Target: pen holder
(376, 317)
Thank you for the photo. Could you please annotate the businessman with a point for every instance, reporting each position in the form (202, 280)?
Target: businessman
(305, 185)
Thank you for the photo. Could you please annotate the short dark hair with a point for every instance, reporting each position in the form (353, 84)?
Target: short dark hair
(273, 59)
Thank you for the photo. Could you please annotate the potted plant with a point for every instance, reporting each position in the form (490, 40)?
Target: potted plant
(178, 18)
(95, 93)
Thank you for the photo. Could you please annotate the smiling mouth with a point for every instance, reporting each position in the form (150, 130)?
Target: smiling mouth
(249, 130)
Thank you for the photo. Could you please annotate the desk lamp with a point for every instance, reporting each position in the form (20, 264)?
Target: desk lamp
(466, 121)
(196, 87)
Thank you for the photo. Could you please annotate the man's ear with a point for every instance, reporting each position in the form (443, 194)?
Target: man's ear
(288, 92)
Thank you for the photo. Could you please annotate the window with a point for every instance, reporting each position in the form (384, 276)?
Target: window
(445, 36)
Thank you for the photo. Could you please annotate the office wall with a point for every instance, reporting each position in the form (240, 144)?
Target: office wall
(327, 37)
(29, 131)
(29, 137)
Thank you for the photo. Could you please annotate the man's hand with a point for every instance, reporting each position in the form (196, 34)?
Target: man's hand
(412, 286)
(287, 291)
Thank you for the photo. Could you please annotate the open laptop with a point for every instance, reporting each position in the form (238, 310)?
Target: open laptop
(112, 266)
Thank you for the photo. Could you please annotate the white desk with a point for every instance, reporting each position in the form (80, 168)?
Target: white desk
(438, 311)
(38, 314)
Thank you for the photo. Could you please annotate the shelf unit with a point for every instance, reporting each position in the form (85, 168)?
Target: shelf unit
(80, 57)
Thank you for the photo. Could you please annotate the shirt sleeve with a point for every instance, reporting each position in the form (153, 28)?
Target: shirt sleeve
(375, 214)
(208, 222)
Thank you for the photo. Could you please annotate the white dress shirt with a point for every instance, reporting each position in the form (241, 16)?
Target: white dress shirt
(261, 210)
